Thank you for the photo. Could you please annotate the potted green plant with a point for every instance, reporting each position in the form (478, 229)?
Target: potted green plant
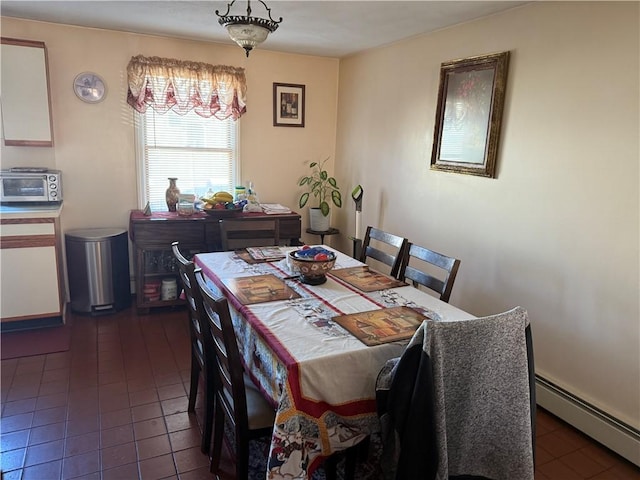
(323, 187)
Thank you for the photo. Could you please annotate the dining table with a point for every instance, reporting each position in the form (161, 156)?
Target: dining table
(303, 346)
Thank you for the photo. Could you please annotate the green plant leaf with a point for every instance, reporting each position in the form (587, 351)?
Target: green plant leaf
(319, 185)
(337, 198)
(304, 198)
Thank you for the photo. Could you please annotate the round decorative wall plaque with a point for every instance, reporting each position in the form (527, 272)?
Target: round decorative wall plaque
(89, 87)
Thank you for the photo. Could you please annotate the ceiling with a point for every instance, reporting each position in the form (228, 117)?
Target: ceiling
(323, 28)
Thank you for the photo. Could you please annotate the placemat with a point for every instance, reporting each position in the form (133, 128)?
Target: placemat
(260, 289)
(365, 279)
(244, 255)
(386, 325)
(268, 254)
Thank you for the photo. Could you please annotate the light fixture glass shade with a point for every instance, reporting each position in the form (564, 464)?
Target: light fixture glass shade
(245, 30)
(248, 35)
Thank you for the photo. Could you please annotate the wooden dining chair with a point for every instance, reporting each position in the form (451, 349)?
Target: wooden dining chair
(244, 233)
(386, 248)
(446, 266)
(461, 401)
(202, 360)
(238, 400)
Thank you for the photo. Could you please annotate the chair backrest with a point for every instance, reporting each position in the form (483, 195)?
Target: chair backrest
(392, 256)
(462, 400)
(186, 269)
(231, 394)
(448, 267)
(238, 234)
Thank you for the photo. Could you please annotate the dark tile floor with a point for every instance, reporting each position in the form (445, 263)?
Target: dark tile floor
(113, 407)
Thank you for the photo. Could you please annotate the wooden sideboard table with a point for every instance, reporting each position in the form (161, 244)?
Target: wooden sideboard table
(152, 236)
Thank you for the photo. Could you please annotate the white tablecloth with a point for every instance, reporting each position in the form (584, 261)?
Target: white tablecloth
(320, 378)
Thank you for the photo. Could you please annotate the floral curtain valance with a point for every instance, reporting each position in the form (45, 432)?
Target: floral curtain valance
(167, 84)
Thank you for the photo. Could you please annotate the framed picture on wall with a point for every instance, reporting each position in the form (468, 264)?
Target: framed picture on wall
(469, 114)
(288, 105)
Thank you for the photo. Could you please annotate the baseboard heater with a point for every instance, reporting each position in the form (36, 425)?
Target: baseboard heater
(599, 425)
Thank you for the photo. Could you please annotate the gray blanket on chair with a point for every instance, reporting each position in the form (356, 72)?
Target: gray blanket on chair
(458, 401)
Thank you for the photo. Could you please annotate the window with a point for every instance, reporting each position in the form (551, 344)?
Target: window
(200, 152)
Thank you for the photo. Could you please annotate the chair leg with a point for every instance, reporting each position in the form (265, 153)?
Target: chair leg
(242, 458)
(331, 467)
(193, 387)
(351, 458)
(208, 417)
(363, 449)
(216, 438)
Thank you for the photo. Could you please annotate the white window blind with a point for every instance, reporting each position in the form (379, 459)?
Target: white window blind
(200, 152)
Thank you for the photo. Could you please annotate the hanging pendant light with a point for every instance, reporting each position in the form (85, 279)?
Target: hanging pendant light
(245, 30)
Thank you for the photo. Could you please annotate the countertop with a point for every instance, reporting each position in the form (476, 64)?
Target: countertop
(49, 210)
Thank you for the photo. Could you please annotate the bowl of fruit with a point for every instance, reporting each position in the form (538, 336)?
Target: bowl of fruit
(312, 263)
(221, 204)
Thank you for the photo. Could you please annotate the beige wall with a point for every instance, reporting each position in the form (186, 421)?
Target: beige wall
(557, 230)
(94, 143)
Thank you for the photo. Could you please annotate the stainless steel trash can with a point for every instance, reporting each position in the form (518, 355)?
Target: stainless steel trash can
(98, 269)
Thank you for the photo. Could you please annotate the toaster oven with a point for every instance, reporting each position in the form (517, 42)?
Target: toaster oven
(30, 185)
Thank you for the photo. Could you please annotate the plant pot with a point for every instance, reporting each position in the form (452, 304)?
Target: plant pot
(317, 221)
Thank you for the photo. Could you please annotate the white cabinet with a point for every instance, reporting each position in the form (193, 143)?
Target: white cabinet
(26, 106)
(31, 291)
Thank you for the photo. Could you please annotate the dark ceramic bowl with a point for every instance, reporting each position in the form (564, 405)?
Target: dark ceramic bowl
(312, 272)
